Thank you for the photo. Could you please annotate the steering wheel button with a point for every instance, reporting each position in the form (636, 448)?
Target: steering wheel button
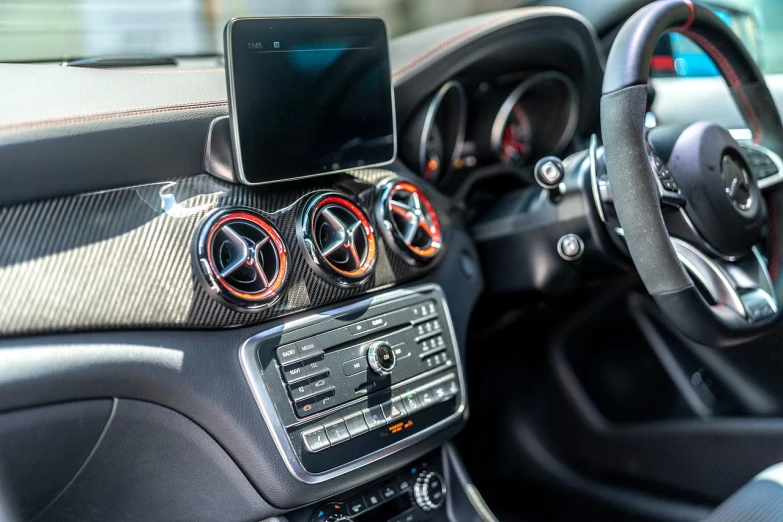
(670, 184)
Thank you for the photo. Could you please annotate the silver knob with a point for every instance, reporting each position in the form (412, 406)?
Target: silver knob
(570, 247)
(549, 172)
(381, 357)
(429, 490)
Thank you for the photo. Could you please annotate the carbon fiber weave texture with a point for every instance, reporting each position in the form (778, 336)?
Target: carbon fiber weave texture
(122, 259)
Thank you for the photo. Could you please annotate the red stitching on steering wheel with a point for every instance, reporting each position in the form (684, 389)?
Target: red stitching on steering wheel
(733, 79)
(691, 17)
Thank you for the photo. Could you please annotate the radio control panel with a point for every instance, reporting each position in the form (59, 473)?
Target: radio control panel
(343, 388)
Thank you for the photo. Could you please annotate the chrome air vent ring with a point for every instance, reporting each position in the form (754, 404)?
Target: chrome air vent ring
(241, 259)
(409, 222)
(338, 239)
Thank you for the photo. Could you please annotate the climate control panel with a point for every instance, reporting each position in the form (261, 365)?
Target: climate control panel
(345, 387)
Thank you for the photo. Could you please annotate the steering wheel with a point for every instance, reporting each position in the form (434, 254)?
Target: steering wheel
(718, 290)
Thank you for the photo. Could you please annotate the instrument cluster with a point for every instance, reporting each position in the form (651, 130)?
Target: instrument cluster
(510, 123)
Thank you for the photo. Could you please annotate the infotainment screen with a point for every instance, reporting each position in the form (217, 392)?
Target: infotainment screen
(308, 96)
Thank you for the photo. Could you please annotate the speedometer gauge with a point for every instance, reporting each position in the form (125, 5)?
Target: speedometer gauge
(517, 142)
(433, 156)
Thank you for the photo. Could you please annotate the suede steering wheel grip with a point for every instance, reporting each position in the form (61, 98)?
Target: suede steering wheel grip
(637, 198)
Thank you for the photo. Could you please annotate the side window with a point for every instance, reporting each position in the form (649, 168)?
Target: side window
(677, 56)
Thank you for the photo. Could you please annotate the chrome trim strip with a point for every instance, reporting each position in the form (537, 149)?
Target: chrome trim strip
(505, 110)
(765, 271)
(776, 159)
(238, 167)
(711, 275)
(255, 379)
(703, 241)
(429, 121)
(593, 158)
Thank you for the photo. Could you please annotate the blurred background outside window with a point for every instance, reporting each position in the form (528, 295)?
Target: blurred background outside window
(37, 30)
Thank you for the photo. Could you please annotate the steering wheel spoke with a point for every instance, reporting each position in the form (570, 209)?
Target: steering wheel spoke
(743, 286)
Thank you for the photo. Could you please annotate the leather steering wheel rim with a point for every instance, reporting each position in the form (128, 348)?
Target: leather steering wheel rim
(637, 198)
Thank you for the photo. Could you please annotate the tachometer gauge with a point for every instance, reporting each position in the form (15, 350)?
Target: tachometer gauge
(517, 142)
(433, 156)
(517, 123)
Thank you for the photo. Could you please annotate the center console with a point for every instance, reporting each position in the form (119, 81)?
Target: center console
(346, 387)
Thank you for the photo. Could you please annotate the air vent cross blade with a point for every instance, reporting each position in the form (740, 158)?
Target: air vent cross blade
(242, 259)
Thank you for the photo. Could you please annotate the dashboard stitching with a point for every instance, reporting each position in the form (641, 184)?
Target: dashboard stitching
(109, 115)
(190, 71)
(450, 41)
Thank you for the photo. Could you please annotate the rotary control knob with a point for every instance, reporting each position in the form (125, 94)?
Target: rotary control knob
(429, 490)
(338, 518)
(381, 357)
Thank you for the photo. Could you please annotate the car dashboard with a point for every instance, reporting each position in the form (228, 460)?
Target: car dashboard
(140, 363)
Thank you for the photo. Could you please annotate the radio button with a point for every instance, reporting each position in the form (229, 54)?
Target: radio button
(315, 367)
(367, 325)
(372, 499)
(315, 440)
(388, 492)
(411, 402)
(374, 418)
(309, 347)
(451, 387)
(393, 410)
(307, 406)
(355, 506)
(425, 397)
(337, 432)
(440, 392)
(300, 391)
(319, 385)
(356, 425)
(355, 366)
(293, 373)
(287, 354)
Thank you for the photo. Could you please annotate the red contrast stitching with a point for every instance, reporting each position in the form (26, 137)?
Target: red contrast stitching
(107, 116)
(187, 71)
(731, 76)
(81, 118)
(451, 40)
(691, 16)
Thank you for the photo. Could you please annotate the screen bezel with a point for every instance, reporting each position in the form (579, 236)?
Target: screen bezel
(236, 141)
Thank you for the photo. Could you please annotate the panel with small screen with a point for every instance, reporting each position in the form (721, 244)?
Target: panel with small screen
(308, 96)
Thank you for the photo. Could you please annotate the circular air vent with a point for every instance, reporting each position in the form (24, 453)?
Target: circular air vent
(242, 259)
(338, 239)
(409, 221)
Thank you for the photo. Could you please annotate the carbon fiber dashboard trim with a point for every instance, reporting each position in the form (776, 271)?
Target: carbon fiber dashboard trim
(122, 258)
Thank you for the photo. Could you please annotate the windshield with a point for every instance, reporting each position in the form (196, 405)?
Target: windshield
(38, 30)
